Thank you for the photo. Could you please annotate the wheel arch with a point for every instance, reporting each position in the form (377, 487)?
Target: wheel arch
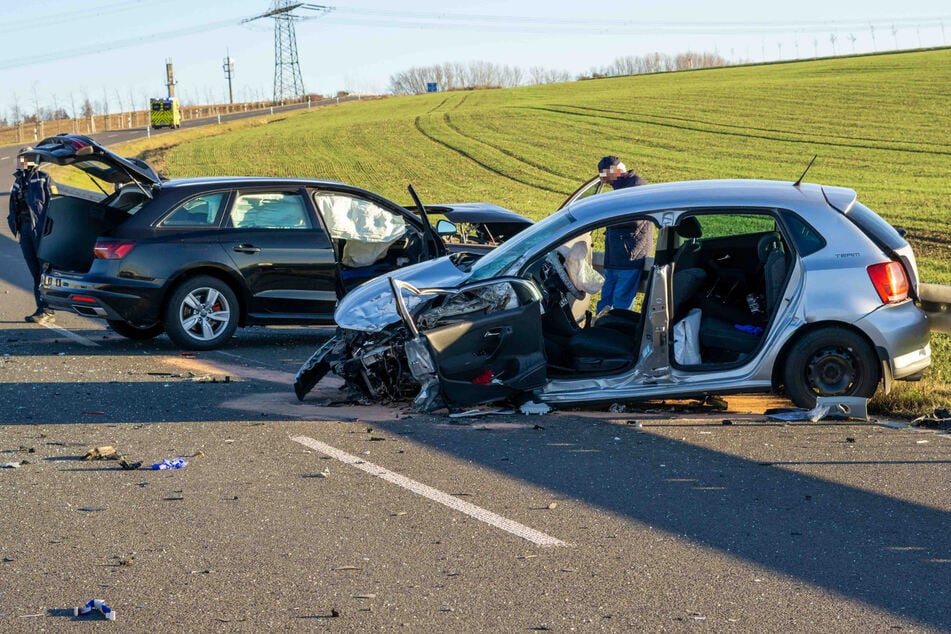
(780, 361)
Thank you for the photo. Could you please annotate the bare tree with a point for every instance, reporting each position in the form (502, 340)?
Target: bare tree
(15, 110)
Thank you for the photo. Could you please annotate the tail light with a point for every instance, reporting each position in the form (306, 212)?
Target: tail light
(112, 249)
(890, 281)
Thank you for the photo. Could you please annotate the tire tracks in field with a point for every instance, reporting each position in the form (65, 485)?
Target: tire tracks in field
(419, 128)
(791, 137)
(540, 167)
(793, 133)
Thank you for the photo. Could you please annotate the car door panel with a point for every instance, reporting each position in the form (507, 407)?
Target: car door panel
(490, 357)
(290, 271)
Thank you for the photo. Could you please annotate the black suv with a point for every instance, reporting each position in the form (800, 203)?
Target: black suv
(197, 257)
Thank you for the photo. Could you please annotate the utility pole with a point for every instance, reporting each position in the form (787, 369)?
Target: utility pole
(169, 78)
(228, 67)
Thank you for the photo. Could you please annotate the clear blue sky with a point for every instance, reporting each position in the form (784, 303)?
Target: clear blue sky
(59, 52)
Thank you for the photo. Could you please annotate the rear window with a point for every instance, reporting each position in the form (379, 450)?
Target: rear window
(875, 227)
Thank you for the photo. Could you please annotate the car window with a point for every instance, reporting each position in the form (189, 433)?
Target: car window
(720, 225)
(271, 210)
(201, 211)
(806, 239)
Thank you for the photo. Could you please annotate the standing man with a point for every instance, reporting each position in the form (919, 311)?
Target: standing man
(626, 246)
(29, 199)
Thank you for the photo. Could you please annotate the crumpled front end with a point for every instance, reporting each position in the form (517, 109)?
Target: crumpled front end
(395, 363)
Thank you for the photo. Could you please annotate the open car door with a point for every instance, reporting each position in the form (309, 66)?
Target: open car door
(486, 344)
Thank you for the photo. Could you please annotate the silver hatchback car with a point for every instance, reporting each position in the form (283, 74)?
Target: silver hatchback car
(753, 286)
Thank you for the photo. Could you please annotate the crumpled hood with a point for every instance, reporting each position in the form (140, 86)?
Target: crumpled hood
(371, 306)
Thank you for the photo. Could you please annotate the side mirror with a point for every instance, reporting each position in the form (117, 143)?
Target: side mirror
(445, 228)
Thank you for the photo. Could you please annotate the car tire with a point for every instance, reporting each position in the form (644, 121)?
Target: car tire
(830, 362)
(202, 313)
(135, 333)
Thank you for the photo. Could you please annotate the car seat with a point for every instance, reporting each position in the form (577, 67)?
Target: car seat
(720, 333)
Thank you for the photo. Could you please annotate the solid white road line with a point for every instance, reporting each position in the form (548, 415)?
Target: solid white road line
(72, 335)
(436, 495)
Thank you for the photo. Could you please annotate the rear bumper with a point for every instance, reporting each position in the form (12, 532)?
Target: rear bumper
(133, 301)
(901, 332)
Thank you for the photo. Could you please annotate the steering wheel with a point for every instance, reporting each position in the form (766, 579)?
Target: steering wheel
(556, 264)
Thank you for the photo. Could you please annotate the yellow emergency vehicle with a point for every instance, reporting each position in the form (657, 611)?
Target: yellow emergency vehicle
(165, 113)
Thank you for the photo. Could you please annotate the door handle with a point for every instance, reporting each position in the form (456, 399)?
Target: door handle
(245, 248)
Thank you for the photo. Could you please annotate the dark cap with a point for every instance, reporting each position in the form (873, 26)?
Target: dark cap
(607, 163)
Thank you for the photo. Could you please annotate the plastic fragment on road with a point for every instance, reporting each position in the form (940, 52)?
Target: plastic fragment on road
(534, 407)
(97, 605)
(170, 463)
(106, 452)
(481, 412)
(796, 414)
(844, 406)
(10, 465)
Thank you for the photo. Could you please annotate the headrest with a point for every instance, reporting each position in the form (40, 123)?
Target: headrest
(689, 228)
(767, 244)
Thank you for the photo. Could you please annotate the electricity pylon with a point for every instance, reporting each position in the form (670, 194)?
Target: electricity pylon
(288, 83)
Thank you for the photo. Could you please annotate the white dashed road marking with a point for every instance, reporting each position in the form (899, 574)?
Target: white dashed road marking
(513, 527)
(72, 335)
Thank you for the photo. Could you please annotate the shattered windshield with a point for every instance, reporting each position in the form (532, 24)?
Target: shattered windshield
(503, 257)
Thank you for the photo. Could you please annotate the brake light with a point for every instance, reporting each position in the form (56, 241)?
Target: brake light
(890, 281)
(112, 249)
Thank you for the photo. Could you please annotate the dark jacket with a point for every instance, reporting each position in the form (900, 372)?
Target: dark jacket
(626, 246)
(29, 198)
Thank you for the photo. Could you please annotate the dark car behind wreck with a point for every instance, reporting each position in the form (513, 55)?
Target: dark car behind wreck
(198, 257)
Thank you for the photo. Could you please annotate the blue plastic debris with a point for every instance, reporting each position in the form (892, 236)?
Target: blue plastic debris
(174, 463)
(753, 330)
(96, 604)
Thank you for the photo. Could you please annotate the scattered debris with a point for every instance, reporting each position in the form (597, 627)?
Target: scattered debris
(90, 509)
(10, 465)
(96, 605)
(173, 463)
(726, 421)
(617, 408)
(715, 402)
(198, 454)
(850, 439)
(553, 506)
(92, 413)
(106, 452)
(797, 414)
(129, 466)
(844, 407)
(534, 407)
(481, 412)
(941, 419)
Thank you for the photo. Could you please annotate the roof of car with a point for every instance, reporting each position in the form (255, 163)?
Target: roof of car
(683, 194)
(249, 180)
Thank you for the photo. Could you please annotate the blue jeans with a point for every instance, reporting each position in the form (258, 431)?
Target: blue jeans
(619, 289)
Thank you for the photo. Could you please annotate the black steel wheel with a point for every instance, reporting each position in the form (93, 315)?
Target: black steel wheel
(830, 362)
(202, 313)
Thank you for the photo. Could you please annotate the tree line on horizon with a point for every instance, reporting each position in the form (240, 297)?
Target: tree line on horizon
(481, 74)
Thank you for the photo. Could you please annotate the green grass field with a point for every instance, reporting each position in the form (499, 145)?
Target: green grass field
(879, 124)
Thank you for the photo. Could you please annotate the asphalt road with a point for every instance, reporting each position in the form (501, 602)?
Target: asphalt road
(299, 516)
